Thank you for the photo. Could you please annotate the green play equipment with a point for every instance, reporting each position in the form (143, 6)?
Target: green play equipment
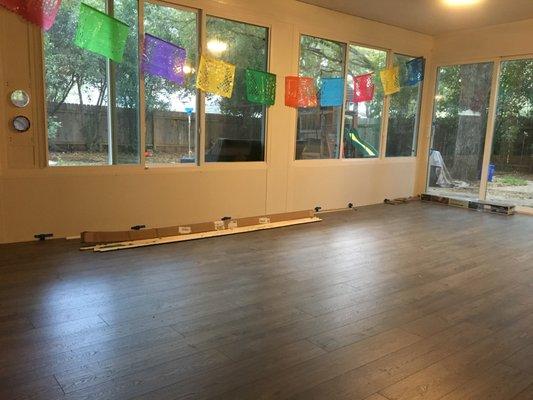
(364, 147)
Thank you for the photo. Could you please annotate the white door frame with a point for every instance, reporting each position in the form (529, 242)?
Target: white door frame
(491, 118)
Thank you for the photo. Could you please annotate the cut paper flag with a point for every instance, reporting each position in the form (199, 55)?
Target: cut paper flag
(390, 79)
(332, 92)
(414, 71)
(40, 12)
(300, 92)
(363, 88)
(164, 59)
(101, 34)
(215, 76)
(260, 87)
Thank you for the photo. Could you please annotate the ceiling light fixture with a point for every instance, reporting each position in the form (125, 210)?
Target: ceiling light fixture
(461, 3)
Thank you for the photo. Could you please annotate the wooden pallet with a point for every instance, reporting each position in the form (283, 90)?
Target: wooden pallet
(476, 205)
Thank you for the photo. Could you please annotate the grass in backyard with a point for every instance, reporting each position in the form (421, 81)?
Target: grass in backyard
(510, 180)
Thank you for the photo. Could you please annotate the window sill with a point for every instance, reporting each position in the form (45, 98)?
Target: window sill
(352, 161)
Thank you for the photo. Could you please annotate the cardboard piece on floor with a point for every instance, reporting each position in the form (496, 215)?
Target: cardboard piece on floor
(230, 230)
(94, 238)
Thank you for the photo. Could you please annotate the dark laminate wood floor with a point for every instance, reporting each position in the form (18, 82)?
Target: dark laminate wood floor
(416, 301)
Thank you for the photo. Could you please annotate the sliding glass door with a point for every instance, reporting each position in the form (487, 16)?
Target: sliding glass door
(510, 177)
(459, 126)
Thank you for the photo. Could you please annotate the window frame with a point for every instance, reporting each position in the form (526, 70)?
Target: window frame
(202, 14)
(416, 137)
(41, 72)
(486, 150)
(142, 86)
(491, 119)
(342, 111)
(202, 125)
(385, 110)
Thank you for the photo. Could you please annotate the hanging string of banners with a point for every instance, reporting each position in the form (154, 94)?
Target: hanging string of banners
(104, 35)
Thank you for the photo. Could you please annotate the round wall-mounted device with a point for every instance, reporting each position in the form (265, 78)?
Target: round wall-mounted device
(21, 123)
(19, 98)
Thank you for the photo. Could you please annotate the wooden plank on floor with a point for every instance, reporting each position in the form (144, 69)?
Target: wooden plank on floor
(369, 378)
(185, 229)
(499, 382)
(471, 363)
(202, 235)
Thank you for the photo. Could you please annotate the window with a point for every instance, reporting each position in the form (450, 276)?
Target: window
(319, 128)
(459, 128)
(402, 132)
(85, 125)
(235, 128)
(171, 108)
(510, 176)
(362, 121)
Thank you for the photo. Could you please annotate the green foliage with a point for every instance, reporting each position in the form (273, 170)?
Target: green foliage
(515, 107)
(54, 127)
(515, 102)
(69, 69)
(510, 180)
(68, 66)
(320, 58)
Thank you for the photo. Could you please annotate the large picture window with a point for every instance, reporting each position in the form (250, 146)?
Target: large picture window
(235, 128)
(319, 128)
(86, 126)
(402, 133)
(171, 108)
(362, 120)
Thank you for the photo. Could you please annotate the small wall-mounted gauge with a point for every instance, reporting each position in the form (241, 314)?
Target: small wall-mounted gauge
(19, 98)
(21, 123)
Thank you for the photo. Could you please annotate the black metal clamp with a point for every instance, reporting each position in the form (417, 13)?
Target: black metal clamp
(43, 236)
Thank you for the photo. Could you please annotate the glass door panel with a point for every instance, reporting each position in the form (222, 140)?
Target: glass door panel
(510, 178)
(459, 128)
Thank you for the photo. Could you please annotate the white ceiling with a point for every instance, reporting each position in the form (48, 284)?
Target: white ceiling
(433, 17)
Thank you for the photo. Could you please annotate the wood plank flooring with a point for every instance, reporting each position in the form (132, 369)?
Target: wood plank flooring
(415, 301)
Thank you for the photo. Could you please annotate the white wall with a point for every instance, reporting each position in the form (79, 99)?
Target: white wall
(504, 40)
(65, 201)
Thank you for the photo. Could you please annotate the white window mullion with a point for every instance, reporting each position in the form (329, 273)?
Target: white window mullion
(142, 100)
(112, 145)
(200, 94)
(385, 113)
(344, 99)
